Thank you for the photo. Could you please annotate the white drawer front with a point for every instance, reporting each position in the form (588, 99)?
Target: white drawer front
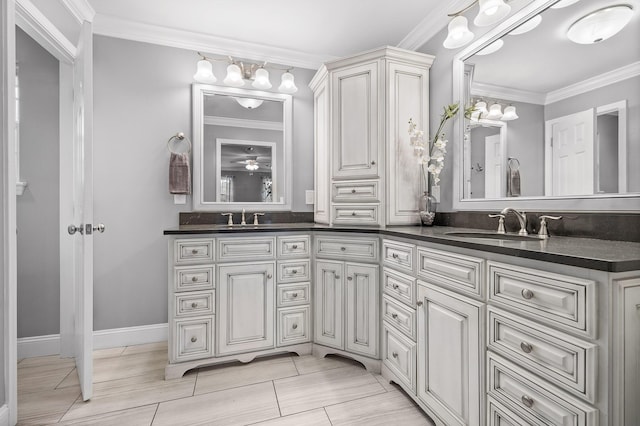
(399, 355)
(194, 338)
(364, 192)
(399, 255)
(293, 325)
(356, 249)
(400, 286)
(294, 270)
(187, 278)
(293, 294)
(399, 316)
(535, 397)
(195, 303)
(499, 414)
(559, 300)
(463, 273)
(294, 246)
(356, 214)
(564, 360)
(253, 248)
(194, 250)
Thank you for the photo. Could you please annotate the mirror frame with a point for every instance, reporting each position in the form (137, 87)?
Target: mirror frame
(580, 203)
(199, 204)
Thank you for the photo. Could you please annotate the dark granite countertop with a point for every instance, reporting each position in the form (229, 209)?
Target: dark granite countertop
(603, 255)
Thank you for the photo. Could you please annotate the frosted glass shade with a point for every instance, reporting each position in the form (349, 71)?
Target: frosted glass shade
(600, 25)
(458, 33)
(288, 84)
(509, 113)
(261, 80)
(249, 103)
(234, 76)
(527, 26)
(564, 3)
(491, 12)
(495, 112)
(493, 47)
(204, 73)
(481, 108)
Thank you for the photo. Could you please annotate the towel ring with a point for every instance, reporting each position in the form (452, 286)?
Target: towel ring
(181, 137)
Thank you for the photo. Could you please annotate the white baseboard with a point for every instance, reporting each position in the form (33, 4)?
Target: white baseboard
(4, 415)
(29, 347)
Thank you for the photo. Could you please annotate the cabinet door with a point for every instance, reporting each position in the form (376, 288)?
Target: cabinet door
(449, 355)
(362, 309)
(328, 303)
(355, 122)
(246, 313)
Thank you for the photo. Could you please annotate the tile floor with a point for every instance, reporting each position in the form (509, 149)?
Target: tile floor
(130, 390)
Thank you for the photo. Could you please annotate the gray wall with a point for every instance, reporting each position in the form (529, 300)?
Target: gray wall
(607, 136)
(526, 143)
(38, 209)
(142, 96)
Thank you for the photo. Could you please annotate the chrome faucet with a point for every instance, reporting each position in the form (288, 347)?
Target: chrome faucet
(522, 218)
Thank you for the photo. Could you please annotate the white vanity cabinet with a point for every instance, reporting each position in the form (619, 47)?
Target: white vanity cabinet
(362, 108)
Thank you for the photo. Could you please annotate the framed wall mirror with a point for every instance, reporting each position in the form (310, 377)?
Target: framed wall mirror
(561, 128)
(242, 149)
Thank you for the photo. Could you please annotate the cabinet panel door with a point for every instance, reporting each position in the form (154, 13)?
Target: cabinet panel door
(327, 298)
(247, 307)
(362, 309)
(355, 122)
(449, 360)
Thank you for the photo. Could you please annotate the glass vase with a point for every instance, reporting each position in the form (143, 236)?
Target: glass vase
(427, 206)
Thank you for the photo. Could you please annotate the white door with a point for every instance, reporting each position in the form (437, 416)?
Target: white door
(572, 154)
(495, 174)
(362, 307)
(327, 299)
(449, 360)
(246, 314)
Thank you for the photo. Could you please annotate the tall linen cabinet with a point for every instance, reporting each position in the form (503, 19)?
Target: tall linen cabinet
(366, 171)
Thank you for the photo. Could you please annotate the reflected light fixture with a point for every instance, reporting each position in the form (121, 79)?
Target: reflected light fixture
(495, 112)
(527, 26)
(490, 12)
(600, 25)
(241, 74)
(252, 165)
(492, 48)
(564, 3)
(249, 103)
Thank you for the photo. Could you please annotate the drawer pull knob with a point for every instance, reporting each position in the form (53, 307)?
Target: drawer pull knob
(349, 278)
(394, 315)
(194, 305)
(526, 347)
(527, 294)
(395, 286)
(295, 246)
(194, 339)
(353, 191)
(194, 279)
(373, 163)
(294, 271)
(343, 248)
(294, 326)
(419, 303)
(194, 251)
(395, 354)
(353, 213)
(527, 401)
(337, 277)
(394, 255)
(294, 295)
(269, 276)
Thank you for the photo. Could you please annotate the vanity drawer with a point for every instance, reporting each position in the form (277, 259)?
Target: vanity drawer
(188, 278)
(194, 338)
(293, 294)
(535, 397)
(399, 255)
(559, 300)
(356, 249)
(293, 325)
(456, 271)
(294, 270)
(356, 214)
(194, 250)
(499, 414)
(246, 249)
(294, 246)
(195, 303)
(400, 286)
(564, 360)
(364, 192)
(399, 316)
(399, 355)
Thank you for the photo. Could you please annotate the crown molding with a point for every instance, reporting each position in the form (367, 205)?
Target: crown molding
(80, 9)
(41, 29)
(131, 30)
(507, 93)
(431, 25)
(602, 80)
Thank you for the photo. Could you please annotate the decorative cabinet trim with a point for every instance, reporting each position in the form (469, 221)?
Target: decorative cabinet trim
(195, 250)
(246, 249)
(356, 214)
(399, 255)
(188, 278)
(293, 294)
(365, 191)
(362, 307)
(294, 246)
(193, 338)
(347, 248)
(460, 272)
(328, 301)
(399, 316)
(294, 270)
(293, 325)
(399, 286)
(399, 355)
(194, 303)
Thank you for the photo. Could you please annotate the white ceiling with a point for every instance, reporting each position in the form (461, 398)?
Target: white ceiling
(315, 30)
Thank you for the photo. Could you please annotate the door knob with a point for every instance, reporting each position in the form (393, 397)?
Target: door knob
(72, 229)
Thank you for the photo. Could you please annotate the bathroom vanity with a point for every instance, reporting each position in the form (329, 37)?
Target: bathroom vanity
(476, 331)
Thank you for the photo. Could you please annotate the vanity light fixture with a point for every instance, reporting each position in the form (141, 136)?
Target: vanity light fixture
(495, 112)
(490, 12)
(509, 113)
(480, 111)
(239, 74)
(600, 25)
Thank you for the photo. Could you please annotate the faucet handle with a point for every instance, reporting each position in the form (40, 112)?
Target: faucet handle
(543, 232)
(230, 221)
(255, 218)
(243, 221)
(500, 223)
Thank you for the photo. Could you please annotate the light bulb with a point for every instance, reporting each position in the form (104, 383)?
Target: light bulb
(261, 80)
(204, 73)
(458, 33)
(288, 84)
(234, 76)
